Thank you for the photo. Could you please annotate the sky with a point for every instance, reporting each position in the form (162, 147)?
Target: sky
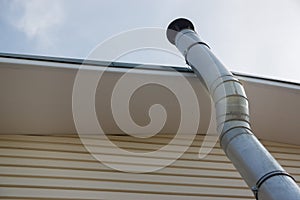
(252, 37)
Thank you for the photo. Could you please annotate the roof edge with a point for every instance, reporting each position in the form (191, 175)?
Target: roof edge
(128, 65)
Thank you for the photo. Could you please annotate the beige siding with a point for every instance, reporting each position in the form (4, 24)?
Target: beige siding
(59, 167)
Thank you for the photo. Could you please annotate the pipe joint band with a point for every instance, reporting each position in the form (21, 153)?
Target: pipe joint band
(231, 134)
(188, 49)
(220, 80)
(264, 178)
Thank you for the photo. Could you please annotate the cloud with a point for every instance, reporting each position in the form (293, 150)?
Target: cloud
(37, 19)
(257, 37)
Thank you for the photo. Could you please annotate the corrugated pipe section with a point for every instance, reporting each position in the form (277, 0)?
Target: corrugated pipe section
(262, 173)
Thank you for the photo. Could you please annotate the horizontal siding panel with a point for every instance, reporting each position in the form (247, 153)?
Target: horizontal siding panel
(108, 195)
(37, 163)
(131, 163)
(286, 159)
(103, 150)
(141, 147)
(114, 176)
(80, 148)
(94, 139)
(122, 186)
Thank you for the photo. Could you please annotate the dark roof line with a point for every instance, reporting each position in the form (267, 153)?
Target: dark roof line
(125, 65)
(93, 62)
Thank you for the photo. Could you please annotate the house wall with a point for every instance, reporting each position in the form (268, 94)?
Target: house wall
(59, 167)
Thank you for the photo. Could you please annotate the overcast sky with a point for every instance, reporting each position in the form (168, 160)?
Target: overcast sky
(259, 37)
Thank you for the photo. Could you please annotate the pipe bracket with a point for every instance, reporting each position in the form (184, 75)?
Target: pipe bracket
(255, 189)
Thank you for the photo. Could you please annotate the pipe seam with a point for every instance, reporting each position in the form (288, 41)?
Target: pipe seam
(223, 79)
(189, 47)
(221, 137)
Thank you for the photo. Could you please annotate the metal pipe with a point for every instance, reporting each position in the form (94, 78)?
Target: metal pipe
(263, 174)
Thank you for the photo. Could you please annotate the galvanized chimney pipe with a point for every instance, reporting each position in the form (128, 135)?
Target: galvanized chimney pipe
(263, 174)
